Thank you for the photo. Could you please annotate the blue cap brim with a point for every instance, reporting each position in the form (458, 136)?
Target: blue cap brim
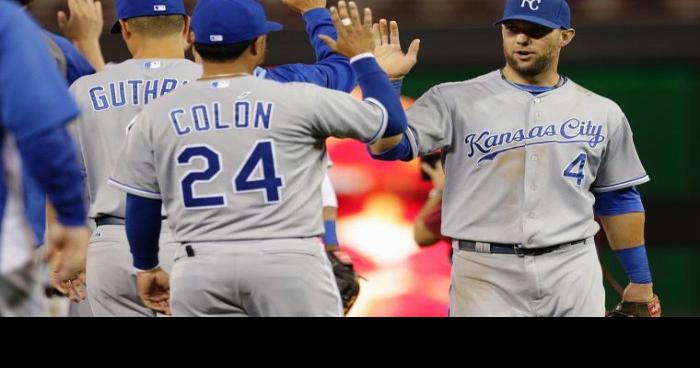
(531, 19)
(274, 27)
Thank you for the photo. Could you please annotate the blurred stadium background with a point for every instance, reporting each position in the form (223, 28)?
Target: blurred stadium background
(644, 54)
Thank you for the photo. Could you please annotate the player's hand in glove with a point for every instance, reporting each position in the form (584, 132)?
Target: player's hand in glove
(637, 301)
(345, 276)
(637, 309)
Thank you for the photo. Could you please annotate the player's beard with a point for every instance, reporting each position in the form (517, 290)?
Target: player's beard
(539, 65)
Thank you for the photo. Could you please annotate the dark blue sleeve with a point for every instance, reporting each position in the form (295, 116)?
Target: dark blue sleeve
(143, 230)
(330, 71)
(397, 84)
(50, 158)
(33, 95)
(619, 202)
(78, 66)
(376, 86)
(402, 151)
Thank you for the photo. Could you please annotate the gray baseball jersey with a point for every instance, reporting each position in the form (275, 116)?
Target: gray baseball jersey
(522, 169)
(110, 100)
(241, 158)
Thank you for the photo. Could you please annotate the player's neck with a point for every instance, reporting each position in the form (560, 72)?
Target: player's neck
(549, 78)
(236, 68)
(159, 49)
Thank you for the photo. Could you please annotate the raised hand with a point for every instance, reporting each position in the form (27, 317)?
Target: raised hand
(388, 50)
(354, 35)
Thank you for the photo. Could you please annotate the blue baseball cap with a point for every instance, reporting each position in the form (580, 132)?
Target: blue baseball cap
(146, 8)
(549, 13)
(225, 22)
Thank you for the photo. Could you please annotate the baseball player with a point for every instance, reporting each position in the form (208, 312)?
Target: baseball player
(530, 158)
(155, 32)
(34, 109)
(238, 162)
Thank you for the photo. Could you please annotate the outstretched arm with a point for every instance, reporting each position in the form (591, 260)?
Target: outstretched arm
(331, 69)
(355, 42)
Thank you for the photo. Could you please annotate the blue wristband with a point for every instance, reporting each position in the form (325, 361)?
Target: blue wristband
(401, 151)
(330, 237)
(636, 264)
(375, 84)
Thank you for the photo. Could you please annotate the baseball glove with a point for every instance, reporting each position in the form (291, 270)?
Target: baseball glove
(347, 279)
(637, 309)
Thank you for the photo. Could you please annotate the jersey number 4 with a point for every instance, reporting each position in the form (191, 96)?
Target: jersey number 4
(578, 164)
(262, 155)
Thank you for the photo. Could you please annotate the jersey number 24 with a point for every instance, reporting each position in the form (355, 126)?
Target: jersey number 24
(263, 153)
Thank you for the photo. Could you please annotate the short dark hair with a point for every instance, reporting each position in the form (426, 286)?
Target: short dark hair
(222, 53)
(25, 2)
(157, 26)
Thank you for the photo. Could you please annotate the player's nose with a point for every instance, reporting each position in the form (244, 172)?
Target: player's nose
(522, 39)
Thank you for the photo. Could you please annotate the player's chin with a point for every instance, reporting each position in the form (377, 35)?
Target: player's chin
(531, 66)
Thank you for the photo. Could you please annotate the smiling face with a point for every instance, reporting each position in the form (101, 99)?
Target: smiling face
(531, 49)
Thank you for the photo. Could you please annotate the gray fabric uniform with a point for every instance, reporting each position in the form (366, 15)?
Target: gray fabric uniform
(110, 100)
(239, 164)
(522, 169)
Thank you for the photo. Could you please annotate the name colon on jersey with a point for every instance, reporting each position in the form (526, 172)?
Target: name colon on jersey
(203, 118)
(571, 131)
(132, 92)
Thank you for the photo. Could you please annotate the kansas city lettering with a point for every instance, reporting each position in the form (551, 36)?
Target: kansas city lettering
(572, 130)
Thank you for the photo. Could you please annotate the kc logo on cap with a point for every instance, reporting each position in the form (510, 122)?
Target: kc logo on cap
(532, 4)
(160, 8)
(216, 38)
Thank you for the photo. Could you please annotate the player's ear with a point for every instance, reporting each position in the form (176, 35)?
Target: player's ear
(567, 36)
(126, 31)
(259, 45)
(197, 56)
(186, 32)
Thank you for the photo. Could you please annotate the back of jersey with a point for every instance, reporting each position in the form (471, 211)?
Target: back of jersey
(110, 100)
(241, 158)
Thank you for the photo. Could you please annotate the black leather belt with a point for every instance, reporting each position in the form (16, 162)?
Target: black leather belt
(109, 220)
(515, 249)
(112, 220)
